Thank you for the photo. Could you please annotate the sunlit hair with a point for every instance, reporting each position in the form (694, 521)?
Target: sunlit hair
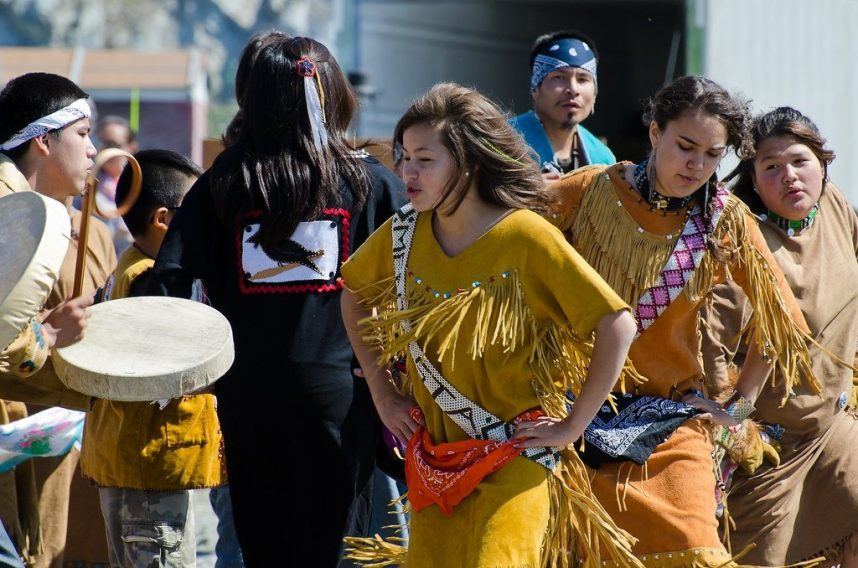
(273, 164)
(781, 122)
(242, 73)
(702, 96)
(478, 135)
(30, 97)
(699, 94)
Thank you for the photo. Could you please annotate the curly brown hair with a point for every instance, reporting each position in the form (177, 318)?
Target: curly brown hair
(782, 121)
(478, 135)
(693, 93)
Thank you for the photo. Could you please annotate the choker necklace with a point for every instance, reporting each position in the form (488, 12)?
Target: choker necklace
(655, 199)
(788, 225)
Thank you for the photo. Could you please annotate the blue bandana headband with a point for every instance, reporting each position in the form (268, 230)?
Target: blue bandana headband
(569, 52)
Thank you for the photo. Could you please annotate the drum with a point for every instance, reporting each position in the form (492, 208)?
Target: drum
(147, 349)
(34, 236)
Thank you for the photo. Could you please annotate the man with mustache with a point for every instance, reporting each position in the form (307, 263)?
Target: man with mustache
(564, 86)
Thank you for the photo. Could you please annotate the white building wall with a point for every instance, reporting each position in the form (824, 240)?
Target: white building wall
(801, 53)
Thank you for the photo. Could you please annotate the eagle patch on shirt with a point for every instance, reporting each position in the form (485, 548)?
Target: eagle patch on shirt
(309, 261)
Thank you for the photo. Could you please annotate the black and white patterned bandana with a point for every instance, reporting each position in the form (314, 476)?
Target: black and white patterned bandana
(568, 52)
(54, 121)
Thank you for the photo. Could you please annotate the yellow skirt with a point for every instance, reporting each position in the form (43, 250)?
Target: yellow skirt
(502, 524)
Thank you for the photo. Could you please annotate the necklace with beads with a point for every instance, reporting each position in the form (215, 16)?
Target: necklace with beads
(655, 199)
(664, 212)
(788, 225)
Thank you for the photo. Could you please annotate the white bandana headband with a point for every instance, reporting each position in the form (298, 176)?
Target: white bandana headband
(54, 121)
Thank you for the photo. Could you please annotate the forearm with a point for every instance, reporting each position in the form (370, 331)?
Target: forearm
(377, 377)
(755, 371)
(614, 335)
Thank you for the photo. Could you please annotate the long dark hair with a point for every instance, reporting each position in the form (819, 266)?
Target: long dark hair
(478, 135)
(242, 74)
(699, 94)
(273, 164)
(782, 121)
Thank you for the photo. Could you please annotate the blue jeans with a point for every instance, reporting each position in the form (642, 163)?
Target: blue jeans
(384, 490)
(227, 549)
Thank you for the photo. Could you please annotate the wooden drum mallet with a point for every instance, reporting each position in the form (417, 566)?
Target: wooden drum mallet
(90, 205)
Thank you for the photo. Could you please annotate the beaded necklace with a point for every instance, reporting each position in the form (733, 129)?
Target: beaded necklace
(634, 191)
(654, 198)
(788, 225)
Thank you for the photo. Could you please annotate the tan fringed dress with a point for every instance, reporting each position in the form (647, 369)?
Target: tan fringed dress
(668, 504)
(808, 506)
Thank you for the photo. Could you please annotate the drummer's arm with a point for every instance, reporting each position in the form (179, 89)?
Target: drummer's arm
(62, 326)
(26, 354)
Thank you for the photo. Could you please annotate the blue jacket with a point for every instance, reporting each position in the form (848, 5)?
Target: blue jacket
(530, 127)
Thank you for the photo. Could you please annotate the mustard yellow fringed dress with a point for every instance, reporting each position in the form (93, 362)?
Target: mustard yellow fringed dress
(507, 311)
(668, 504)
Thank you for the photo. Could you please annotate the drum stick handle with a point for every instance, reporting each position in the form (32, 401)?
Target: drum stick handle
(83, 238)
(90, 206)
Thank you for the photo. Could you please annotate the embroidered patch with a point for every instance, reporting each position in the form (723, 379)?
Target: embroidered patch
(309, 261)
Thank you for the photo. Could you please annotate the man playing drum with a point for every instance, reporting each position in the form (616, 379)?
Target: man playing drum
(22, 359)
(45, 147)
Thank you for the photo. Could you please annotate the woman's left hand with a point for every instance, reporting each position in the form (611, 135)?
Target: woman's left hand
(544, 431)
(712, 411)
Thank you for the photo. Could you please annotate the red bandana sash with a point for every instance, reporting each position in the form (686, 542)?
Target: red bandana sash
(446, 473)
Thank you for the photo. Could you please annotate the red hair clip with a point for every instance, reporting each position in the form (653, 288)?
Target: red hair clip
(305, 67)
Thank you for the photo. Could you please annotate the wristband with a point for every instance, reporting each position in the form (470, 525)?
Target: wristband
(738, 406)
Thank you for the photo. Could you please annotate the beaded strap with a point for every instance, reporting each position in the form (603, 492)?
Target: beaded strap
(477, 422)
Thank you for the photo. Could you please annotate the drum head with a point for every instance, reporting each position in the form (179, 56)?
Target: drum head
(34, 237)
(147, 348)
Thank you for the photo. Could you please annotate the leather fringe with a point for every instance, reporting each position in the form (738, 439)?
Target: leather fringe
(609, 238)
(558, 356)
(771, 326)
(579, 529)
